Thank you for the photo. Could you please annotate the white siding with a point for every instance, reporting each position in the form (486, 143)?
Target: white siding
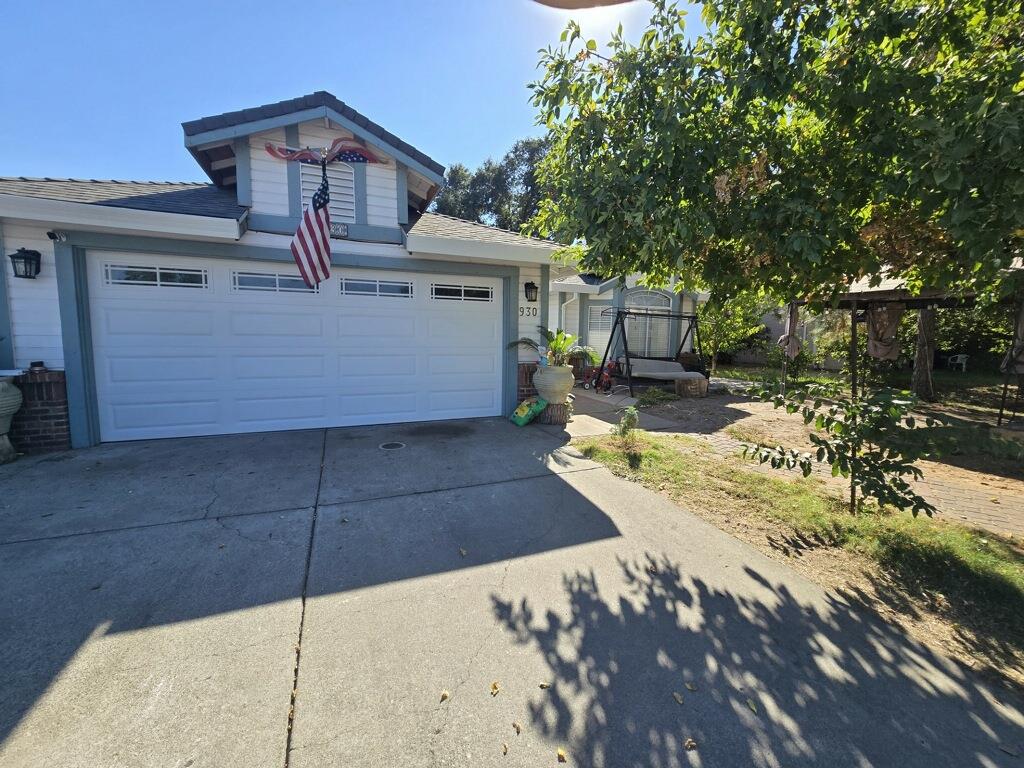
(269, 175)
(528, 321)
(35, 314)
(381, 195)
(381, 181)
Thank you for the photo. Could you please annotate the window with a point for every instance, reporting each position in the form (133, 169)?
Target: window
(649, 336)
(600, 321)
(270, 281)
(341, 179)
(447, 292)
(163, 277)
(351, 286)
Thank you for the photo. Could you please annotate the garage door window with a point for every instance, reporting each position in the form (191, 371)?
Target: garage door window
(390, 288)
(162, 277)
(451, 292)
(270, 281)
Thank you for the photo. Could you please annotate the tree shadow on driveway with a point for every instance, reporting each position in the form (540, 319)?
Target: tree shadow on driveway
(764, 682)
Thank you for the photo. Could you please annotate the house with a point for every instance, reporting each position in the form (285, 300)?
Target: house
(176, 309)
(586, 305)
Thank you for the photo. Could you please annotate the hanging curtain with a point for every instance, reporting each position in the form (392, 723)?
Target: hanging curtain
(790, 341)
(1014, 360)
(883, 324)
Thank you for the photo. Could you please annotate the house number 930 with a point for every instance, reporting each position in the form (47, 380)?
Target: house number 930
(527, 311)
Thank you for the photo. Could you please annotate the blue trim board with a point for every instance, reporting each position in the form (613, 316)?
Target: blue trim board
(286, 225)
(306, 115)
(359, 191)
(6, 329)
(291, 139)
(76, 332)
(243, 172)
(73, 299)
(545, 290)
(582, 317)
(402, 185)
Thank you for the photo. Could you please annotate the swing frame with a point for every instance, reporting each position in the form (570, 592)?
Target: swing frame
(619, 327)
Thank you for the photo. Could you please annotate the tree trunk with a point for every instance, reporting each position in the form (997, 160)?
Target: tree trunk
(714, 363)
(921, 382)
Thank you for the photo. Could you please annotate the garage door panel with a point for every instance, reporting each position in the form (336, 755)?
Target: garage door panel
(130, 321)
(147, 369)
(461, 400)
(175, 362)
(356, 366)
(292, 324)
(172, 415)
(381, 407)
(279, 367)
(284, 409)
(460, 364)
(354, 330)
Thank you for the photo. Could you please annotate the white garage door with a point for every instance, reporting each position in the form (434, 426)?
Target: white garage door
(186, 346)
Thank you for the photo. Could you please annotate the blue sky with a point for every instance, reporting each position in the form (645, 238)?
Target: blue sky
(99, 89)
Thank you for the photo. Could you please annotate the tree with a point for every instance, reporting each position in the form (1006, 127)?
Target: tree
(924, 355)
(505, 193)
(725, 325)
(795, 146)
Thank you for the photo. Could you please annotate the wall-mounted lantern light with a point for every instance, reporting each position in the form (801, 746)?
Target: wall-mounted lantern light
(26, 263)
(531, 291)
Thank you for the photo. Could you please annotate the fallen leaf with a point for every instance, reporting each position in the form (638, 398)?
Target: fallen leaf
(561, 755)
(445, 695)
(504, 748)
(678, 697)
(545, 686)
(691, 687)
(518, 727)
(690, 745)
(994, 500)
(495, 688)
(752, 705)
(462, 552)
(344, 519)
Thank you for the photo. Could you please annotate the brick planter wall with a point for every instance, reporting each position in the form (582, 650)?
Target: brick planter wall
(41, 426)
(525, 384)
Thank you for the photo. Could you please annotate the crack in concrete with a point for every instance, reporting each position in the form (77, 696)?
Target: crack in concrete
(302, 611)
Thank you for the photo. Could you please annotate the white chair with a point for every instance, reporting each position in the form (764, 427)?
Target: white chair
(957, 361)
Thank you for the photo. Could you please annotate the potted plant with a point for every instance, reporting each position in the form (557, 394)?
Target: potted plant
(554, 380)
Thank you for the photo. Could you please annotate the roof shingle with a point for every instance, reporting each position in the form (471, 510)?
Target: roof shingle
(439, 225)
(185, 197)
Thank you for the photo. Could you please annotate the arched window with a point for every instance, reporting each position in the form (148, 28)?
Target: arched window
(649, 336)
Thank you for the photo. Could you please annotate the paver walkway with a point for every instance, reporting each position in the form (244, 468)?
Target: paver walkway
(994, 510)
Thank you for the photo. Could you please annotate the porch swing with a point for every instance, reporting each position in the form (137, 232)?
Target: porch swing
(688, 362)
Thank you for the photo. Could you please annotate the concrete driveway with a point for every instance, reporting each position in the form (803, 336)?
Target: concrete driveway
(165, 603)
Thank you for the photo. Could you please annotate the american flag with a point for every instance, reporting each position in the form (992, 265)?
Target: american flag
(311, 245)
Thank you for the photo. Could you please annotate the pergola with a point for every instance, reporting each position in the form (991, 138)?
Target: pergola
(861, 297)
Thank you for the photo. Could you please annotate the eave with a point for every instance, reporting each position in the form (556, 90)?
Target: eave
(108, 218)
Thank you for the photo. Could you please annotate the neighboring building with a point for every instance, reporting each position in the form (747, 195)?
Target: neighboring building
(586, 308)
(176, 309)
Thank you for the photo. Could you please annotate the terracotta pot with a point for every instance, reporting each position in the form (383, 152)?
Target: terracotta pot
(10, 402)
(554, 382)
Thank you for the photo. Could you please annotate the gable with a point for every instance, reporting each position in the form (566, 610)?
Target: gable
(374, 198)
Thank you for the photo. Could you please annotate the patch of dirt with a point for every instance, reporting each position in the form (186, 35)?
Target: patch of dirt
(754, 421)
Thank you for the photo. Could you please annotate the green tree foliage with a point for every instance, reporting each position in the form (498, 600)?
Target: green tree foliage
(505, 193)
(795, 146)
(727, 325)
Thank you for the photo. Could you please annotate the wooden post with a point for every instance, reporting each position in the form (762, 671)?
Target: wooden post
(853, 351)
(853, 398)
(921, 381)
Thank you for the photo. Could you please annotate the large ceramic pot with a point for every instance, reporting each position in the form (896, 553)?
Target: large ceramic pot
(554, 382)
(10, 402)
